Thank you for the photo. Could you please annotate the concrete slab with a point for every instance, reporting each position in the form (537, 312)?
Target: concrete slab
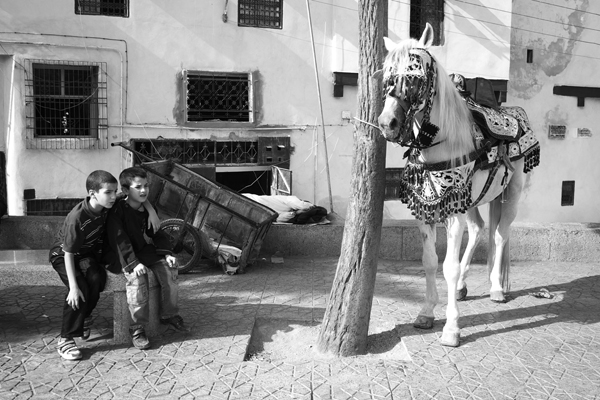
(527, 348)
(400, 239)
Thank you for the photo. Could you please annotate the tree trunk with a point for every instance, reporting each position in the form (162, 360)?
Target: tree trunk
(345, 326)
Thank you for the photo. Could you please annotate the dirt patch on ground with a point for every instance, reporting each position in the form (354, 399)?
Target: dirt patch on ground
(294, 341)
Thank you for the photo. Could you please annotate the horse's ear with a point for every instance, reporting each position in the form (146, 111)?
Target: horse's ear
(427, 36)
(389, 43)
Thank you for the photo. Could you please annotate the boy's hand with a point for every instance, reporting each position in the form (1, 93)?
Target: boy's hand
(73, 298)
(140, 270)
(153, 221)
(172, 261)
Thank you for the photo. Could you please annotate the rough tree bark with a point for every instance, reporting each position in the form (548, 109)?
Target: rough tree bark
(345, 326)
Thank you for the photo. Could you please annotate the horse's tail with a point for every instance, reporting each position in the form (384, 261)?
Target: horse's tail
(495, 207)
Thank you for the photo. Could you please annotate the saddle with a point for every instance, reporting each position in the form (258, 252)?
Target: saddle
(493, 120)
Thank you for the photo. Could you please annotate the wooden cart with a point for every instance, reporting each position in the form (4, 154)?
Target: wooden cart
(204, 219)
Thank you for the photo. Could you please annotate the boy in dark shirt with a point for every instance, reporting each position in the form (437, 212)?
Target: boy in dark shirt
(76, 256)
(138, 249)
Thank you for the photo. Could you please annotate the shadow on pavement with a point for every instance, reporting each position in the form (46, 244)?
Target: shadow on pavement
(577, 301)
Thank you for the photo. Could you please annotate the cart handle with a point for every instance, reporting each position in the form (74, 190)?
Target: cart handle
(125, 145)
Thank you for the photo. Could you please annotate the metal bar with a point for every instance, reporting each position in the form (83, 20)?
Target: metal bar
(312, 39)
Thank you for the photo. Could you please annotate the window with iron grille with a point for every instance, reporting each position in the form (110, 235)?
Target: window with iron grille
(263, 151)
(423, 11)
(221, 97)
(66, 105)
(260, 13)
(111, 8)
(205, 152)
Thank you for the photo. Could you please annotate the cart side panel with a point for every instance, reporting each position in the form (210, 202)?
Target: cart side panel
(222, 195)
(222, 215)
(170, 200)
(163, 167)
(222, 225)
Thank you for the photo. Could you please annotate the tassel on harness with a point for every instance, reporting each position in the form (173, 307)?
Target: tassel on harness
(503, 155)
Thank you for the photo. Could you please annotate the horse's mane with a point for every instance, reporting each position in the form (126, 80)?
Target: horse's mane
(453, 117)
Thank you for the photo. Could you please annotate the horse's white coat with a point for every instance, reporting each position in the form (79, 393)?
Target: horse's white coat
(449, 112)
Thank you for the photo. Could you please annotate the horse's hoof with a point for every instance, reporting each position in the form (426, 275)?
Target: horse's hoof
(462, 293)
(497, 296)
(423, 322)
(450, 339)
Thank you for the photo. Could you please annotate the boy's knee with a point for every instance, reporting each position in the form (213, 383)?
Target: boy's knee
(137, 291)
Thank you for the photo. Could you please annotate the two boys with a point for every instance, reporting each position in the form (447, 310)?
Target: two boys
(80, 253)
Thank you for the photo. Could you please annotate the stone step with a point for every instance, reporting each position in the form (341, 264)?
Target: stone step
(400, 239)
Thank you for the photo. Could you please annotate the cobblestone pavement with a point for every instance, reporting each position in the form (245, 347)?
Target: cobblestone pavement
(528, 348)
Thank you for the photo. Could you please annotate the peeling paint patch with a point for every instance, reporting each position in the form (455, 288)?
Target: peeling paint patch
(552, 55)
(561, 50)
(556, 116)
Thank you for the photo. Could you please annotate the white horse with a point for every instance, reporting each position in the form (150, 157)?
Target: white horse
(452, 168)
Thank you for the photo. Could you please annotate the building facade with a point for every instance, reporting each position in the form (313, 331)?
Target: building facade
(235, 88)
(555, 77)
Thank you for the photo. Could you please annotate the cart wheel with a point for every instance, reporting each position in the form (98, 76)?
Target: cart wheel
(187, 246)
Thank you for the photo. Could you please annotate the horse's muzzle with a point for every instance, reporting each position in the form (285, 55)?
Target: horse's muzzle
(390, 120)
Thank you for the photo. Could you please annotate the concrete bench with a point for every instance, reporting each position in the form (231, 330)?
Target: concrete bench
(121, 315)
(31, 268)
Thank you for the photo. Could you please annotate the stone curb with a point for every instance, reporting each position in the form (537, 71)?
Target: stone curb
(400, 240)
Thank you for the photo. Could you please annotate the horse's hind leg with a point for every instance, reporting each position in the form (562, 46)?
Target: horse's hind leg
(475, 226)
(430, 264)
(455, 227)
(503, 211)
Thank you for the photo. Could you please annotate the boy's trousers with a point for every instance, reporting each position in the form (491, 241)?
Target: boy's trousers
(137, 289)
(91, 279)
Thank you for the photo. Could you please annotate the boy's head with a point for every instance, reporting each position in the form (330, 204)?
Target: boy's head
(102, 188)
(134, 183)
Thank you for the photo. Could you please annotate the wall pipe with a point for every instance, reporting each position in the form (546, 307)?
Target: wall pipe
(190, 128)
(312, 40)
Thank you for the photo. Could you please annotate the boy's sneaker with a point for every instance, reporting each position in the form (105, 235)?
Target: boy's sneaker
(68, 350)
(175, 322)
(139, 338)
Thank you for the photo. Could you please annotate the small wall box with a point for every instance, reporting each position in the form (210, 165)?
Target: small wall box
(557, 131)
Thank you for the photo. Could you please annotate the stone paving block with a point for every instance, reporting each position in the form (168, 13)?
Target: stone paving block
(527, 348)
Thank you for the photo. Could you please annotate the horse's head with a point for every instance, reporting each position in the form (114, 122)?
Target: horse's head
(409, 80)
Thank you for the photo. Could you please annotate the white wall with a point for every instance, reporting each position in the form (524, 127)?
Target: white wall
(147, 52)
(566, 51)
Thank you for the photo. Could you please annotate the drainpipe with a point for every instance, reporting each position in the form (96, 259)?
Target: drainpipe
(312, 40)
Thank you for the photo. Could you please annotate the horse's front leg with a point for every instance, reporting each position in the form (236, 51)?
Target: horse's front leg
(430, 264)
(455, 227)
(475, 227)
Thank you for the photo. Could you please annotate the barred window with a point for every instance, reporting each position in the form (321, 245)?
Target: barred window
(423, 11)
(111, 8)
(260, 13)
(223, 97)
(66, 105)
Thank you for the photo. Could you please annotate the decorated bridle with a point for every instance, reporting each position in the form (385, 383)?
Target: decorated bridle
(416, 86)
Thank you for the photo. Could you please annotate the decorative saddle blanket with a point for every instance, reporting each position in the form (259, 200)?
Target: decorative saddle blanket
(502, 135)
